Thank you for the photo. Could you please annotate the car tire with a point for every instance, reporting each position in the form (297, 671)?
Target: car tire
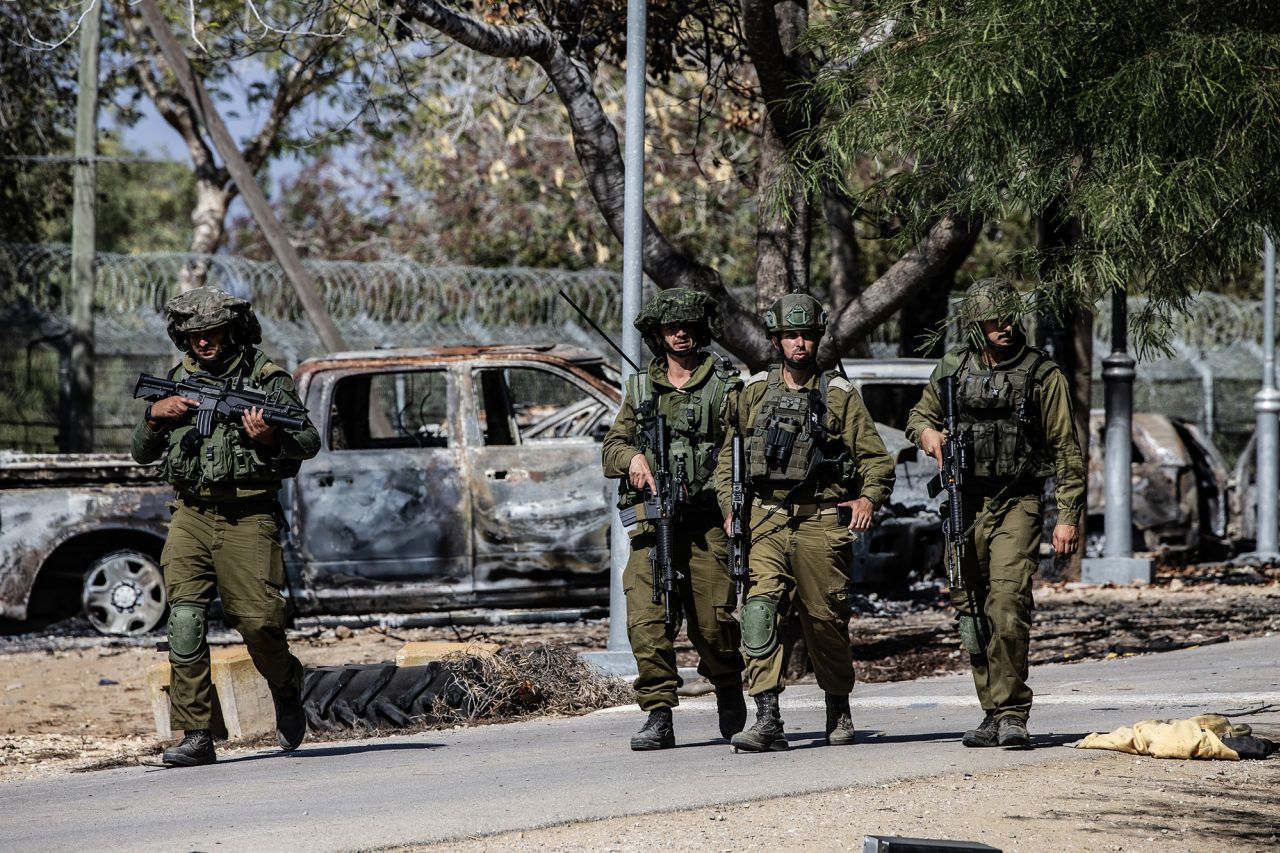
(123, 593)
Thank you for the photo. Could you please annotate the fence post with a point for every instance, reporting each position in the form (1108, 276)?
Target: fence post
(1266, 407)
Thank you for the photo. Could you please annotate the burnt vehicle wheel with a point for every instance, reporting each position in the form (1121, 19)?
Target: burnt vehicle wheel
(123, 593)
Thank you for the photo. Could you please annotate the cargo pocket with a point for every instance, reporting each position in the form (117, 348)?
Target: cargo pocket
(983, 455)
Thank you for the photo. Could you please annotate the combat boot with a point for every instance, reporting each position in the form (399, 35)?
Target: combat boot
(196, 749)
(984, 734)
(839, 721)
(1012, 731)
(732, 709)
(291, 721)
(658, 732)
(767, 734)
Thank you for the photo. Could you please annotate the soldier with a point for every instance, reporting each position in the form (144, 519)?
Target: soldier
(1015, 404)
(694, 390)
(223, 536)
(818, 470)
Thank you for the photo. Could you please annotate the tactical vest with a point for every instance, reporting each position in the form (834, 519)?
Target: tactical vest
(787, 430)
(228, 458)
(693, 426)
(1001, 410)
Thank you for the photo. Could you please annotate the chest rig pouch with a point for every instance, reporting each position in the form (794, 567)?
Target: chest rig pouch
(787, 431)
(1001, 411)
(694, 431)
(227, 457)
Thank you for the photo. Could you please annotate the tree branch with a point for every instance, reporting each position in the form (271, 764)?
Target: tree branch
(920, 264)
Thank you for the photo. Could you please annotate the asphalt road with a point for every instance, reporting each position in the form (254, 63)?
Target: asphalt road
(440, 785)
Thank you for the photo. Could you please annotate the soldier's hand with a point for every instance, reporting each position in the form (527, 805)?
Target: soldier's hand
(1066, 538)
(640, 475)
(172, 408)
(931, 441)
(728, 525)
(860, 512)
(256, 426)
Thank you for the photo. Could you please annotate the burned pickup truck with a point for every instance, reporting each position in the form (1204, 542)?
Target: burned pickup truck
(448, 478)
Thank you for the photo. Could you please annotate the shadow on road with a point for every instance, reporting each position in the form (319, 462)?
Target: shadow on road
(331, 751)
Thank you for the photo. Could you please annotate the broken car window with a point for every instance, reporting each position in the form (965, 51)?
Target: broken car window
(523, 404)
(390, 410)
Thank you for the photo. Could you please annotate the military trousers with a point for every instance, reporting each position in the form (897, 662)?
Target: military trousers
(704, 599)
(208, 553)
(1000, 558)
(802, 560)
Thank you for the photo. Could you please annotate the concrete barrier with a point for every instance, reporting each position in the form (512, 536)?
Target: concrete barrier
(242, 706)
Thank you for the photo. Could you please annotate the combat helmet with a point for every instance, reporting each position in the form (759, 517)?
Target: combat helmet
(796, 312)
(679, 305)
(207, 308)
(990, 299)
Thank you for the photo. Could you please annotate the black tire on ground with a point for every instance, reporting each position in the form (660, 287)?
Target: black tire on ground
(374, 696)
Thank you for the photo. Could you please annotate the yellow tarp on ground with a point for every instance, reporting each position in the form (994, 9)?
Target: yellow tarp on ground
(1197, 737)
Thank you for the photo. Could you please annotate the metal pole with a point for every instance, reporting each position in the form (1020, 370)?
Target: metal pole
(78, 425)
(1117, 376)
(1266, 407)
(632, 283)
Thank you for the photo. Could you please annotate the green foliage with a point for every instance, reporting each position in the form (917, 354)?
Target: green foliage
(37, 115)
(142, 206)
(1150, 124)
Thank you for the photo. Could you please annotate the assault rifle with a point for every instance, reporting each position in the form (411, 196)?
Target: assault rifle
(956, 452)
(662, 512)
(739, 536)
(222, 400)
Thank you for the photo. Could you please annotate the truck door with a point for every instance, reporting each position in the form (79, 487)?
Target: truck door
(384, 511)
(541, 512)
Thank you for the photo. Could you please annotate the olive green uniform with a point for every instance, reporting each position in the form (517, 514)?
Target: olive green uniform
(800, 549)
(223, 538)
(705, 594)
(1016, 445)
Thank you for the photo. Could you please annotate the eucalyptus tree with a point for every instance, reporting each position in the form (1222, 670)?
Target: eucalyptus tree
(754, 46)
(1141, 133)
(276, 58)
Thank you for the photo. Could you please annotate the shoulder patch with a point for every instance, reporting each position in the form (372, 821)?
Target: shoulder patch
(841, 383)
(762, 376)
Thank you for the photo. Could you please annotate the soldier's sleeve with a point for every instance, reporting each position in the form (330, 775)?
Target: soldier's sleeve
(294, 443)
(875, 466)
(148, 444)
(619, 446)
(926, 414)
(735, 419)
(1064, 446)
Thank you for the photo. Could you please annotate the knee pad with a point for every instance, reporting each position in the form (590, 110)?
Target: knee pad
(759, 627)
(186, 633)
(975, 633)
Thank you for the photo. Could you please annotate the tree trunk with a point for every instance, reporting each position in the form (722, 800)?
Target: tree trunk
(208, 228)
(782, 235)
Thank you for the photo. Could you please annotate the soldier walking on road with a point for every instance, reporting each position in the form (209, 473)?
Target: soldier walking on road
(224, 533)
(689, 392)
(1014, 415)
(817, 470)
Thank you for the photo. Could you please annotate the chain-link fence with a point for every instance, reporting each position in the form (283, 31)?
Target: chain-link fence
(1210, 378)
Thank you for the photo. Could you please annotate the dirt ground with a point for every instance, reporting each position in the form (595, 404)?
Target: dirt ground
(72, 702)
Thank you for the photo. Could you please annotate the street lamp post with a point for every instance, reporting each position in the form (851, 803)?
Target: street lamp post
(1266, 408)
(1117, 563)
(618, 659)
